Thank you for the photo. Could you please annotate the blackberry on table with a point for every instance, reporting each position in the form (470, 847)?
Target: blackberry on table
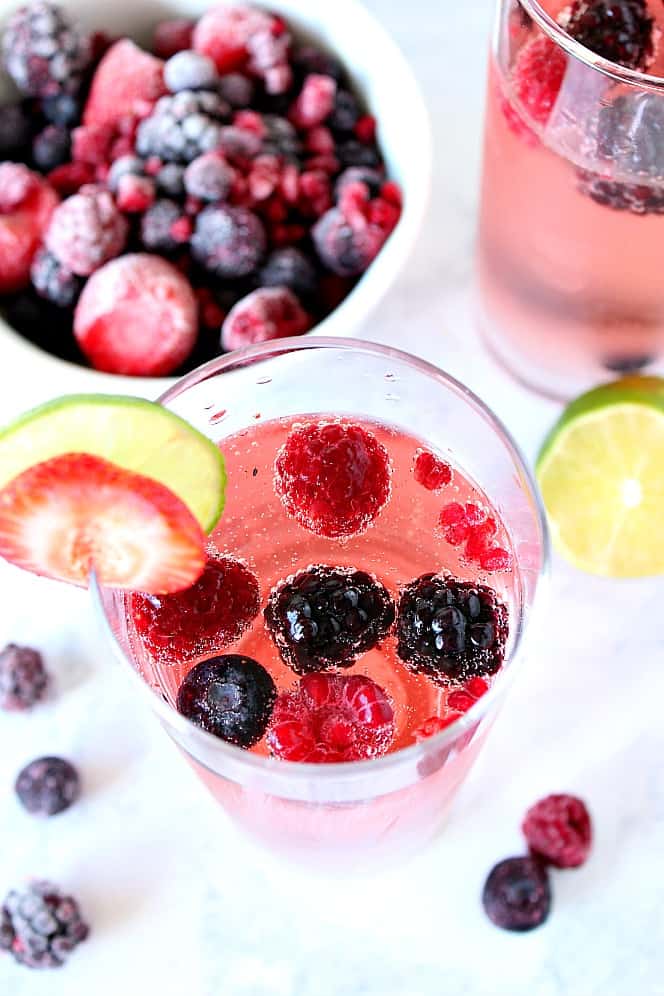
(230, 696)
(44, 52)
(53, 281)
(450, 630)
(40, 926)
(326, 617)
(47, 786)
(182, 127)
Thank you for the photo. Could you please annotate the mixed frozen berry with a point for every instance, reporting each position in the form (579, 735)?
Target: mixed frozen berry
(334, 478)
(47, 786)
(558, 830)
(449, 629)
(326, 617)
(231, 697)
(234, 151)
(517, 894)
(40, 926)
(331, 718)
(23, 678)
(203, 619)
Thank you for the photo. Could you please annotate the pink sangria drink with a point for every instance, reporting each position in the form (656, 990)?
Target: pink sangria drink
(334, 672)
(571, 225)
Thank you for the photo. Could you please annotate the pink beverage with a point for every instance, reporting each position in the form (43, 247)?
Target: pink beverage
(571, 220)
(400, 736)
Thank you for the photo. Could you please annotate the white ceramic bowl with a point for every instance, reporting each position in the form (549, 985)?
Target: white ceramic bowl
(381, 74)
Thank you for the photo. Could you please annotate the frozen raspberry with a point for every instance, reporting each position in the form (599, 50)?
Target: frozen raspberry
(127, 83)
(64, 109)
(228, 241)
(269, 51)
(47, 786)
(182, 127)
(559, 831)
(69, 179)
(209, 177)
(517, 894)
(224, 33)
(449, 629)
(40, 926)
(202, 620)
(44, 52)
(231, 697)
(137, 315)
(124, 166)
(23, 678)
(290, 268)
(345, 113)
(365, 129)
(157, 226)
(236, 89)
(332, 477)
(266, 313)
(53, 281)
(26, 205)
(327, 617)
(51, 148)
(315, 102)
(190, 71)
(431, 472)
(86, 231)
(537, 77)
(171, 37)
(347, 248)
(618, 30)
(331, 718)
(135, 194)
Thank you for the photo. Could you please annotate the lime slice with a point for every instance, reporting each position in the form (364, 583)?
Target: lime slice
(601, 472)
(134, 434)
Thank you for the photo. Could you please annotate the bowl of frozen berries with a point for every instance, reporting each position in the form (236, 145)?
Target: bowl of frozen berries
(177, 183)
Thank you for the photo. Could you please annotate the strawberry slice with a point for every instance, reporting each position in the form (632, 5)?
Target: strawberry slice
(128, 81)
(78, 513)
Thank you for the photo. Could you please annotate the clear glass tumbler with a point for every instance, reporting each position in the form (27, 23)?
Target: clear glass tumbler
(571, 228)
(363, 812)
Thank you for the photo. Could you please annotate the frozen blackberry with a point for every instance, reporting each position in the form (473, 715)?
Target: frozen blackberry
(290, 267)
(51, 148)
(228, 241)
(182, 127)
(326, 617)
(40, 926)
(450, 630)
(64, 109)
(346, 112)
(23, 678)
(230, 696)
(53, 281)
(16, 126)
(157, 223)
(47, 786)
(44, 52)
(618, 30)
(517, 894)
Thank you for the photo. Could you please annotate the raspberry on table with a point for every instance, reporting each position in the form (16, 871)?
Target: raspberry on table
(47, 786)
(334, 478)
(618, 30)
(537, 76)
(189, 70)
(228, 241)
(183, 126)
(53, 281)
(266, 313)
(449, 629)
(431, 472)
(40, 925)
(517, 894)
(86, 231)
(204, 619)
(231, 696)
(330, 718)
(558, 830)
(325, 617)
(44, 52)
(23, 678)
(209, 177)
(290, 267)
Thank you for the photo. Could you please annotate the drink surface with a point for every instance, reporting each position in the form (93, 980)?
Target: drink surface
(404, 542)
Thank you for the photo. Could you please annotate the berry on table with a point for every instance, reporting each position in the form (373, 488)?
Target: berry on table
(203, 619)
(228, 241)
(517, 894)
(40, 925)
(325, 617)
(449, 629)
(266, 313)
(47, 786)
(86, 231)
(558, 830)
(330, 718)
(618, 30)
(333, 478)
(23, 678)
(231, 696)
(44, 52)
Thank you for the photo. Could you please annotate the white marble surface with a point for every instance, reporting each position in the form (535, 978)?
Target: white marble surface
(179, 905)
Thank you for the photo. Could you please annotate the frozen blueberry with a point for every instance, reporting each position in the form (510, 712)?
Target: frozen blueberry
(63, 109)
(51, 148)
(228, 241)
(236, 89)
(517, 894)
(170, 180)
(53, 281)
(290, 267)
(190, 71)
(209, 178)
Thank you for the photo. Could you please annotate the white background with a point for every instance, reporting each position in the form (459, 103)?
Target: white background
(179, 906)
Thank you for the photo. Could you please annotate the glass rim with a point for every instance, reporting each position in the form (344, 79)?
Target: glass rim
(357, 770)
(559, 36)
